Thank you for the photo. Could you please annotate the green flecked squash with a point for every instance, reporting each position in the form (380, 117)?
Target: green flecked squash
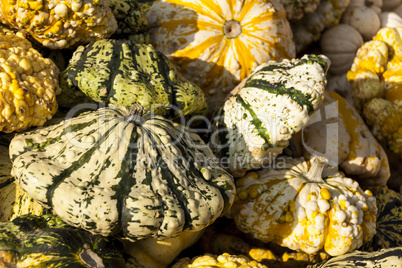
(126, 172)
(386, 258)
(131, 21)
(46, 241)
(122, 73)
(13, 200)
(389, 221)
(262, 113)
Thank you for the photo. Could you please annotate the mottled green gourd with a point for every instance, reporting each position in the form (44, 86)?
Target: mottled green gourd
(122, 73)
(46, 241)
(131, 21)
(115, 171)
(262, 113)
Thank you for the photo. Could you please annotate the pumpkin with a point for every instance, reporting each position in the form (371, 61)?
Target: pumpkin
(29, 84)
(305, 206)
(120, 171)
(217, 44)
(375, 77)
(349, 145)
(60, 24)
(390, 19)
(46, 241)
(310, 27)
(153, 253)
(377, 259)
(131, 21)
(262, 113)
(122, 73)
(216, 261)
(339, 44)
(389, 221)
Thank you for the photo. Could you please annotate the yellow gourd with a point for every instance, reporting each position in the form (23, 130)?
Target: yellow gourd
(217, 44)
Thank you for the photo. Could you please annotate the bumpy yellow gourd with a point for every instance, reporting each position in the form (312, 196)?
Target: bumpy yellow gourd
(376, 78)
(344, 138)
(224, 260)
(305, 206)
(28, 84)
(60, 24)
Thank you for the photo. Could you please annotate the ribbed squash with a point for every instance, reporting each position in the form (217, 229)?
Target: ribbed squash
(217, 44)
(376, 76)
(343, 137)
(218, 261)
(29, 84)
(305, 206)
(386, 258)
(262, 113)
(122, 73)
(121, 171)
(60, 24)
(46, 241)
(131, 21)
(389, 221)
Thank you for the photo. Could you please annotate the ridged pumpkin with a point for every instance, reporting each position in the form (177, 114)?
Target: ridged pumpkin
(217, 44)
(262, 113)
(305, 206)
(121, 171)
(60, 24)
(350, 145)
(46, 241)
(122, 73)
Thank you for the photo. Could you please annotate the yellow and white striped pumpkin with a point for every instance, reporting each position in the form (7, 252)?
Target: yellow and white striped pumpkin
(217, 43)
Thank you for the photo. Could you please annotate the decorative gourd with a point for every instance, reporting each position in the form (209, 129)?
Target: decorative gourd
(120, 171)
(217, 44)
(339, 44)
(390, 19)
(389, 5)
(309, 28)
(305, 206)
(384, 258)
(262, 113)
(389, 221)
(131, 21)
(29, 84)
(46, 241)
(351, 146)
(295, 9)
(60, 24)
(376, 76)
(122, 73)
(218, 261)
(152, 253)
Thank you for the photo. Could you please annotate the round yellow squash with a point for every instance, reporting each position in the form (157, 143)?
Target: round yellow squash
(218, 43)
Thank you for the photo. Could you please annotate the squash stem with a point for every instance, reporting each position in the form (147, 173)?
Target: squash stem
(232, 29)
(318, 163)
(136, 113)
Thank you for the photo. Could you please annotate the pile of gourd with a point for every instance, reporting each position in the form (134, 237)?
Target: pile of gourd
(183, 133)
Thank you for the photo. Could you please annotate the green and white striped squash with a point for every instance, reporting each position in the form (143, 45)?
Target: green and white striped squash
(122, 73)
(13, 200)
(387, 258)
(112, 171)
(46, 241)
(262, 113)
(389, 221)
(131, 21)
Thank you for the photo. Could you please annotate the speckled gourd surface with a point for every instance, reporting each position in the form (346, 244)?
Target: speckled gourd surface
(112, 171)
(122, 73)
(258, 119)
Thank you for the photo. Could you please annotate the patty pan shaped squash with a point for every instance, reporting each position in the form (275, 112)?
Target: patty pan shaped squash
(60, 24)
(28, 84)
(46, 241)
(376, 79)
(262, 113)
(217, 44)
(352, 147)
(122, 73)
(121, 171)
(305, 206)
